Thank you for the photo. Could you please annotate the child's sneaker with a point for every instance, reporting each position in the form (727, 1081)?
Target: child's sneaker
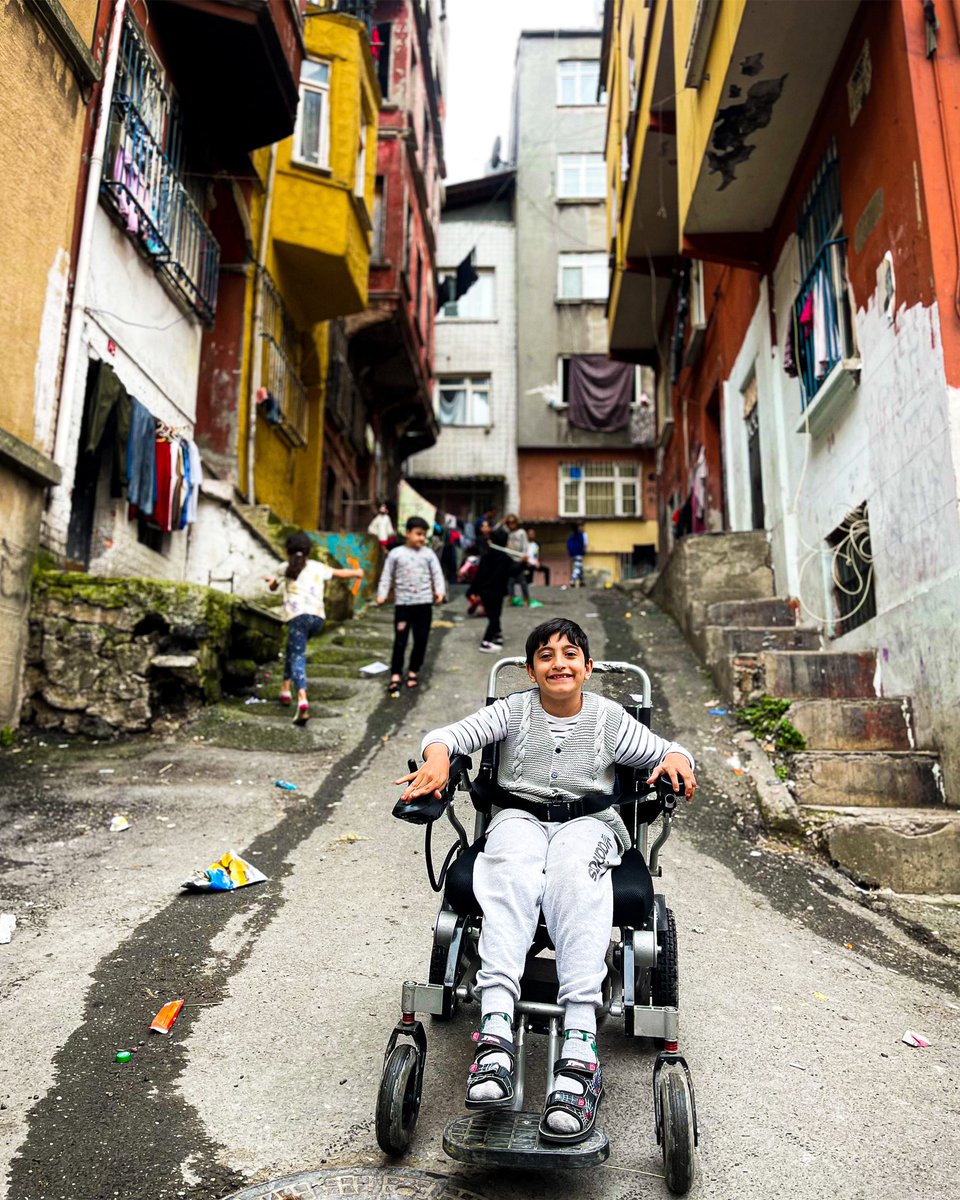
(516, 601)
(489, 647)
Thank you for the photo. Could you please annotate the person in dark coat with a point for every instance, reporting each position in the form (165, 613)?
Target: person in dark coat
(490, 584)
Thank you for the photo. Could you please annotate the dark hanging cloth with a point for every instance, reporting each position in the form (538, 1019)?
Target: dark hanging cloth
(453, 287)
(600, 391)
(108, 410)
(141, 458)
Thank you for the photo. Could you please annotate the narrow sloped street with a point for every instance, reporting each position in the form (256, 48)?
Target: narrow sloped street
(794, 994)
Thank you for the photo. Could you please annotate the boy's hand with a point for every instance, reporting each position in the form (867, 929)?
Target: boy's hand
(438, 597)
(676, 766)
(431, 777)
(358, 572)
(382, 600)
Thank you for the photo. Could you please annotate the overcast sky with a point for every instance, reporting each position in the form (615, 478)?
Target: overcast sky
(482, 47)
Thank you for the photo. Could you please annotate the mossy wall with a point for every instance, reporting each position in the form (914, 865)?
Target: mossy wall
(107, 656)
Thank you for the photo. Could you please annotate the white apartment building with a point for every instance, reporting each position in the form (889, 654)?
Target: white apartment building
(473, 465)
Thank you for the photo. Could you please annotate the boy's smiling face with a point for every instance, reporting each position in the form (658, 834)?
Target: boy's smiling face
(559, 669)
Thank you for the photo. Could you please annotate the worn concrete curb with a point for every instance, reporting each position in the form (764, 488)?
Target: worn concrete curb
(777, 806)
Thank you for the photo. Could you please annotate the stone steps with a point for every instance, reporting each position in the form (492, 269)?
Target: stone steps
(752, 614)
(869, 779)
(326, 653)
(881, 724)
(913, 851)
(232, 730)
(721, 641)
(798, 674)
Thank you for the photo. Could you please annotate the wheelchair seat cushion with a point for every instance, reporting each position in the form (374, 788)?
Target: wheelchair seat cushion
(632, 887)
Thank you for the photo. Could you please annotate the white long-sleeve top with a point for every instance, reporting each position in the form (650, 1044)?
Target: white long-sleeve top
(637, 746)
(414, 575)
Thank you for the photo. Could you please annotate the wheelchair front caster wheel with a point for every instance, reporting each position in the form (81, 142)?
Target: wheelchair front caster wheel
(398, 1102)
(677, 1138)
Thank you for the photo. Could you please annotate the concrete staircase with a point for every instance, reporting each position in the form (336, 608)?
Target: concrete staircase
(873, 801)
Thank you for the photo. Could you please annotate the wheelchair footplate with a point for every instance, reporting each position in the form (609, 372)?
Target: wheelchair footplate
(500, 1137)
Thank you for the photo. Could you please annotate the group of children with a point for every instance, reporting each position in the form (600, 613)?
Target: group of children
(555, 834)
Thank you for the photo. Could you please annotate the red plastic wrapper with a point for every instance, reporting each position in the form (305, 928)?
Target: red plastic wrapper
(165, 1018)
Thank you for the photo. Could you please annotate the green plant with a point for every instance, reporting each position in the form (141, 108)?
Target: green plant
(767, 722)
(6, 736)
(782, 771)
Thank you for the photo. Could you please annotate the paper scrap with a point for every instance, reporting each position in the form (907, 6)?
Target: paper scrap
(8, 923)
(225, 875)
(820, 996)
(119, 824)
(735, 765)
(376, 668)
(798, 1065)
(917, 1040)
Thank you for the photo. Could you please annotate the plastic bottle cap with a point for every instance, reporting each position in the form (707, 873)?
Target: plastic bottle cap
(123, 1056)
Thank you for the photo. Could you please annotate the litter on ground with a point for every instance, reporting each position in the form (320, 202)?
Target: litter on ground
(377, 667)
(917, 1040)
(165, 1018)
(225, 875)
(8, 923)
(285, 785)
(119, 824)
(735, 765)
(717, 712)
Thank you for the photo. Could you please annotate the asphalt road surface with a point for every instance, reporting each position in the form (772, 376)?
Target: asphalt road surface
(794, 993)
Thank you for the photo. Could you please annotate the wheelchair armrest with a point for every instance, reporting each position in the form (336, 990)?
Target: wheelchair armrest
(425, 809)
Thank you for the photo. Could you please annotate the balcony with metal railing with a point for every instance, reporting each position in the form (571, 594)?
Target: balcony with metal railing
(142, 181)
(279, 370)
(361, 9)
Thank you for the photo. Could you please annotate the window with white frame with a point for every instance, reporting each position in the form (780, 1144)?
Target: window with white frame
(578, 81)
(581, 177)
(463, 400)
(311, 135)
(583, 277)
(478, 303)
(600, 489)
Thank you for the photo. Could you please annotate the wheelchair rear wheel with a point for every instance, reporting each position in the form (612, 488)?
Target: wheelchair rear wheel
(677, 1139)
(398, 1102)
(665, 976)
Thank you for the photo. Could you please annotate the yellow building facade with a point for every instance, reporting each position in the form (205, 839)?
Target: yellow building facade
(47, 71)
(313, 221)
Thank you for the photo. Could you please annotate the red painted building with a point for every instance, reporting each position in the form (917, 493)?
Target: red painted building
(391, 344)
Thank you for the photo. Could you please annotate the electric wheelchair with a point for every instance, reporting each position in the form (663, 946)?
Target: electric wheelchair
(641, 986)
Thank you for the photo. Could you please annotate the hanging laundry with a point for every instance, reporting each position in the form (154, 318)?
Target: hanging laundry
(789, 355)
(161, 508)
(141, 459)
(821, 346)
(196, 478)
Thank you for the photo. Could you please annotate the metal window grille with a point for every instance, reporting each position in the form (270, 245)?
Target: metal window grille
(280, 366)
(142, 178)
(601, 489)
(853, 587)
(822, 317)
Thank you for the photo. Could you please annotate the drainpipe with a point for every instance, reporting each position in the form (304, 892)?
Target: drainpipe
(253, 385)
(71, 358)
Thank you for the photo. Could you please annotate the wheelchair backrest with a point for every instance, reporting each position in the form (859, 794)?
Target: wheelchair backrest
(625, 683)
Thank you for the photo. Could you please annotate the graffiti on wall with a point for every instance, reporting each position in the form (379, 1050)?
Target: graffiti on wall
(356, 550)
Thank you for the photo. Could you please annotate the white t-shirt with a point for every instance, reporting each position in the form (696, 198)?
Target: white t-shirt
(303, 596)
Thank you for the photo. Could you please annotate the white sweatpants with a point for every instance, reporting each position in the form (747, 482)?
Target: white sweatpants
(564, 869)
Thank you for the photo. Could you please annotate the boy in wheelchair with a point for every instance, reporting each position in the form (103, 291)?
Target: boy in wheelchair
(550, 846)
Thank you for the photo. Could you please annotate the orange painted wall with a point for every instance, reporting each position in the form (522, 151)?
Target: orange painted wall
(881, 149)
(731, 296)
(940, 209)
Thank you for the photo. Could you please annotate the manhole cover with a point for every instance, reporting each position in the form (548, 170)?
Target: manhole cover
(333, 1183)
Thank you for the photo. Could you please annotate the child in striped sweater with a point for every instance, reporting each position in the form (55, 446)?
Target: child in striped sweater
(559, 747)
